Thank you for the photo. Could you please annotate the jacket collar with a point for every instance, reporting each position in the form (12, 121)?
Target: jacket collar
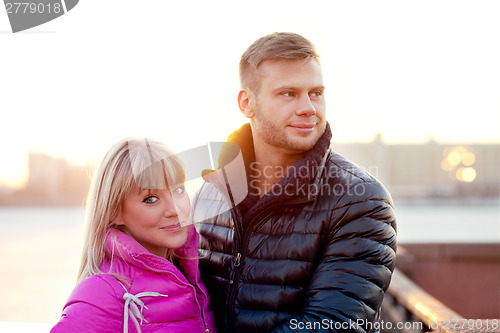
(121, 245)
(231, 178)
(301, 182)
(311, 160)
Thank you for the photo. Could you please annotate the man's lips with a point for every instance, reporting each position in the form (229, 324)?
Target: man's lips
(172, 228)
(303, 127)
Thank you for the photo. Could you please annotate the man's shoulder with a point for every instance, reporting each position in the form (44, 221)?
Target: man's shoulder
(207, 190)
(346, 169)
(354, 182)
(207, 194)
(207, 203)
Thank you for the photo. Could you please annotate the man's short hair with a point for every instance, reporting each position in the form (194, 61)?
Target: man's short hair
(278, 45)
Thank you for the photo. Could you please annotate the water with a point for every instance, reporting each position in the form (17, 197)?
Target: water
(449, 221)
(40, 254)
(40, 249)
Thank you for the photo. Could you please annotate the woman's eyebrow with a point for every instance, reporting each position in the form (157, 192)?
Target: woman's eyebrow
(143, 190)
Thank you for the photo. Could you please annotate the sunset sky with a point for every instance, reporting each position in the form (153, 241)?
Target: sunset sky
(168, 70)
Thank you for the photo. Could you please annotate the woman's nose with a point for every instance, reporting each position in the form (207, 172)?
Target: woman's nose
(169, 210)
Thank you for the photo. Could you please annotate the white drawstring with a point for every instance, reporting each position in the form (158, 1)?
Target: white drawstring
(131, 306)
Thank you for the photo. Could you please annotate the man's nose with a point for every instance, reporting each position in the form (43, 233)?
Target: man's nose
(306, 107)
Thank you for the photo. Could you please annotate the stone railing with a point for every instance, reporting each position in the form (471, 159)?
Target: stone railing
(407, 308)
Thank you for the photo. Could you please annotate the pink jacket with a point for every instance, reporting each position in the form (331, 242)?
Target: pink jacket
(159, 297)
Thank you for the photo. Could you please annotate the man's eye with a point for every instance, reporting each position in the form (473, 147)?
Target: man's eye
(178, 190)
(317, 93)
(289, 94)
(150, 199)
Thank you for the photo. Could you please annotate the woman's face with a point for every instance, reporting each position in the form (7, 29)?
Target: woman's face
(156, 219)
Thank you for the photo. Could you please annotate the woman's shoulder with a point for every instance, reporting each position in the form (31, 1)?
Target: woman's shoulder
(93, 306)
(100, 289)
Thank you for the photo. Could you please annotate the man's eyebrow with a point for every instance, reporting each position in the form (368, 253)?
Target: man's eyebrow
(285, 88)
(296, 88)
(319, 88)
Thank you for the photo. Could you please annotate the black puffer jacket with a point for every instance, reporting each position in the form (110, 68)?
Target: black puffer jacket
(317, 255)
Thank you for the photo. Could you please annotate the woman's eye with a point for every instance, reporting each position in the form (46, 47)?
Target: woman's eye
(150, 199)
(178, 190)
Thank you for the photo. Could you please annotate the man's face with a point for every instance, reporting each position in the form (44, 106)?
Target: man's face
(290, 106)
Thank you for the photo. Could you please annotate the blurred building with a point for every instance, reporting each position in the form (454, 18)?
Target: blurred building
(431, 169)
(407, 170)
(52, 181)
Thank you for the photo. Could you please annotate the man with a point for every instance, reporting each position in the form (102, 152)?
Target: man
(312, 245)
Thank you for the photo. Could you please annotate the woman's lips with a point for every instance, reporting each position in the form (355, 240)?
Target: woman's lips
(172, 228)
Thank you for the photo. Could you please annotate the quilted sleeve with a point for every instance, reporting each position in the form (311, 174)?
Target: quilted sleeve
(350, 280)
(93, 306)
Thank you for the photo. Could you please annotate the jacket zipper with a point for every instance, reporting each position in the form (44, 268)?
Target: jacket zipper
(237, 227)
(186, 284)
(239, 248)
(237, 262)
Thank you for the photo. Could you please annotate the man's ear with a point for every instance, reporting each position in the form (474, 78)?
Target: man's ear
(246, 103)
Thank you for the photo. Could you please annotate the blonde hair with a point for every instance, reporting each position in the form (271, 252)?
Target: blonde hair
(276, 46)
(129, 162)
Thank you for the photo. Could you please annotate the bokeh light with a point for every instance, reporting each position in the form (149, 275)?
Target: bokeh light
(457, 162)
